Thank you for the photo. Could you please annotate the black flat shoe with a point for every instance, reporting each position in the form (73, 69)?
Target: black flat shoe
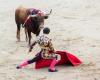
(52, 70)
(18, 67)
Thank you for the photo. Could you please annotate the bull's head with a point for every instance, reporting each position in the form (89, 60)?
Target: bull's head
(45, 16)
(38, 21)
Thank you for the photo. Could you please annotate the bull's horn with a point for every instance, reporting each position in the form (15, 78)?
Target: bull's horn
(49, 13)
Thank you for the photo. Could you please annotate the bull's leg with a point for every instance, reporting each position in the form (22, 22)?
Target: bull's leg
(18, 32)
(29, 35)
(38, 32)
(26, 34)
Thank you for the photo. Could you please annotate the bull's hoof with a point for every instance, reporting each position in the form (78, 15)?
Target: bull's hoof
(18, 40)
(26, 40)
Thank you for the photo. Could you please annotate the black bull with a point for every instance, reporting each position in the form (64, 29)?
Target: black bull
(33, 24)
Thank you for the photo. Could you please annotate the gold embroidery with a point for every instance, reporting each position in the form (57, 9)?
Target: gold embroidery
(46, 45)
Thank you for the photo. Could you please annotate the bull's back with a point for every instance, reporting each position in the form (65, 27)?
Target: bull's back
(20, 15)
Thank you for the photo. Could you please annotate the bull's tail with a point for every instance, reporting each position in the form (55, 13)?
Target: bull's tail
(18, 24)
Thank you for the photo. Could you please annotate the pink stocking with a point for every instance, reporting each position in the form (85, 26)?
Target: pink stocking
(23, 64)
(53, 63)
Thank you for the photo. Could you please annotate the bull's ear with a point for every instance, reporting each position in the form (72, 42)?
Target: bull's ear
(46, 17)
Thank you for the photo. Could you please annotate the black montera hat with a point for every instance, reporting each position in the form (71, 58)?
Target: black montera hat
(46, 30)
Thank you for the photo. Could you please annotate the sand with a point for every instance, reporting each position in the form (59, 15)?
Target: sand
(75, 27)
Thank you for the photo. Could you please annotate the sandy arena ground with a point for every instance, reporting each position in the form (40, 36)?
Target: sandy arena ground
(75, 27)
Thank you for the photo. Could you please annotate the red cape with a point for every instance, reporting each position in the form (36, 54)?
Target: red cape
(66, 58)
